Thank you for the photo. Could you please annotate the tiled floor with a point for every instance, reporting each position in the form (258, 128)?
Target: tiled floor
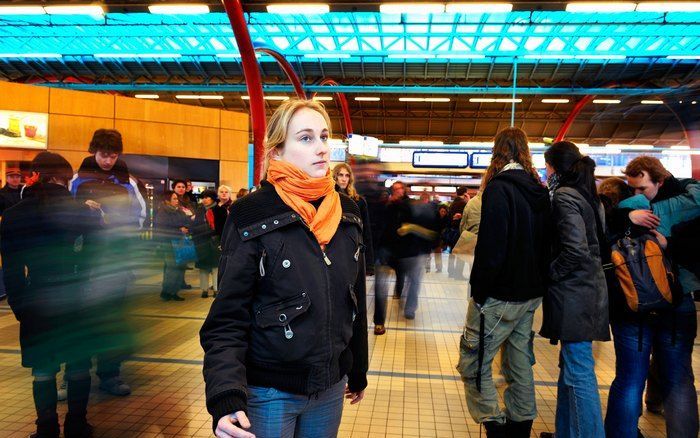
(414, 389)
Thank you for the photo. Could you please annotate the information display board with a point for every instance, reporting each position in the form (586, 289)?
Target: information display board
(456, 160)
(480, 160)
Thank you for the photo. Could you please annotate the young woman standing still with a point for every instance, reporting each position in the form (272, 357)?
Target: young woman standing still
(286, 338)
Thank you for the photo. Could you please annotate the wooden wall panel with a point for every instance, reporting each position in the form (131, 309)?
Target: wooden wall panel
(234, 145)
(20, 97)
(7, 154)
(81, 103)
(73, 133)
(148, 110)
(169, 140)
(233, 120)
(233, 174)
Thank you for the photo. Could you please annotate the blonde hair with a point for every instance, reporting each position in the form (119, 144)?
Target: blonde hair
(351, 182)
(223, 186)
(277, 126)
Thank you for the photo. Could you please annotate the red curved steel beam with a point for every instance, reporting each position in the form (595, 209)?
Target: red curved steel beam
(572, 116)
(288, 70)
(234, 10)
(344, 108)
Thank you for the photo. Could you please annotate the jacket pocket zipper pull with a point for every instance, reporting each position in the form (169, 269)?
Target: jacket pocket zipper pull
(262, 264)
(288, 333)
(326, 259)
(357, 253)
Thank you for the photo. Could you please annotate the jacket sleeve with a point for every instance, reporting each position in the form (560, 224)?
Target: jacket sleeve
(571, 230)
(357, 377)
(224, 335)
(492, 243)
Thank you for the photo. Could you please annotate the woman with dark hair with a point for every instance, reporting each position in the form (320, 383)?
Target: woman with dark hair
(345, 183)
(207, 242)
(508, 279)
(575, 307)
(171, 223)
(41, 239)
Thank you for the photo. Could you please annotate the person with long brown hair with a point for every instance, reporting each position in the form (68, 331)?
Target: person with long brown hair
(286, 337)
(345, 183)
(508, 280)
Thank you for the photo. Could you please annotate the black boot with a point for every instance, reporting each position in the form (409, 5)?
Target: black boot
(519, 429)
(496, 430)
(76, 426)
(45, 403)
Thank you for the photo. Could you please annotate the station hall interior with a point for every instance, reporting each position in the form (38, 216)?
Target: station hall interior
(417, 89)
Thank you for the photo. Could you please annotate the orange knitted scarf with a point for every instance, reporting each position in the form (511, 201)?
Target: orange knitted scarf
(297, 188)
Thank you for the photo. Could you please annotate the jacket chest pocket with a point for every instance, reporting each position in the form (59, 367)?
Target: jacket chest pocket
(283, 313)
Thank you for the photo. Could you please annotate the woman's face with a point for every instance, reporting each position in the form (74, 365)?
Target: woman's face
(224, 195)
(342, 178)
(174, 200)
(180, 188)
(306, 144)
(207, 201)
(442, 212)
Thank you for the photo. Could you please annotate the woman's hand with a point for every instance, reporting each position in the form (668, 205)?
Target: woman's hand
(227, 428)
(354, 397)
(644, 218)
(184, 230)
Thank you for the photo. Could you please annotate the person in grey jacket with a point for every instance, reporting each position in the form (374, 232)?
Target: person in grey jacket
(575, 308)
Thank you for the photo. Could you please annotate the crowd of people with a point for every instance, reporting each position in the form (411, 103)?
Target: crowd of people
(285, 340)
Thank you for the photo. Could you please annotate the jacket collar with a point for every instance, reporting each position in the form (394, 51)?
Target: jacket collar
(91, 170)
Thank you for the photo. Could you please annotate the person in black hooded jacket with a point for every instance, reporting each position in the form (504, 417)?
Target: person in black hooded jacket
(508, 279)
(41, 239)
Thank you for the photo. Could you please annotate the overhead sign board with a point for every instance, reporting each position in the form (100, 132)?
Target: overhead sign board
(456, 160)
(480, 160)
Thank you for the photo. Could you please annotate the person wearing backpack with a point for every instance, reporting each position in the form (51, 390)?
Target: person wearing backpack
(670, 332)
(575, 307)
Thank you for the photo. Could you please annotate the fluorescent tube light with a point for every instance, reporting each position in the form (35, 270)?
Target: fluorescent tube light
(482, 100)
(444, 189)
(424, 99)
(555, 100)
(94, 10)
(421, 142)
(298, 8)
(411, 56)
(30, 55)
(629, 146)
(199, 96)
(600, 7)
(179, 9)
(680, 148)
(518, 100)
(421, 189)
(271, 97)
(137, 55)
(412, 8)
(652, 102)
(668, 7)
(459, 56)
(478, 8)
(367, 99)
(683, 57)
(146, 96)
(323, 98)
(607, 101)
(22, 10)
(326, 55)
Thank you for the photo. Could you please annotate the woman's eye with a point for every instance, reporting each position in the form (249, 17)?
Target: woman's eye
(305, 138)
(324, 138)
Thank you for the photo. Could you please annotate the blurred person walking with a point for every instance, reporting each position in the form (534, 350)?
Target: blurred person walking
(508, 279)
(41, 238)
(455, 266)
(575, 308)
(286, 338)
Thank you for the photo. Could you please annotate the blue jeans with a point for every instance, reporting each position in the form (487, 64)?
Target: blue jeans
(278, 414)
(410, 267)
(578, 402)
(675, 372)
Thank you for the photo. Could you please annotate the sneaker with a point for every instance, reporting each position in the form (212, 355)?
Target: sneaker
(115, 386)
(176, 297)
(379, 329)
(62, 392)
(205, 294)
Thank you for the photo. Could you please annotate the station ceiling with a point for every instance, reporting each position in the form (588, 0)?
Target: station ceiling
(551, 53)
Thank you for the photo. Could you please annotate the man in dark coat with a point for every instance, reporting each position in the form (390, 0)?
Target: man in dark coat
(40, 238)
(10, 194)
